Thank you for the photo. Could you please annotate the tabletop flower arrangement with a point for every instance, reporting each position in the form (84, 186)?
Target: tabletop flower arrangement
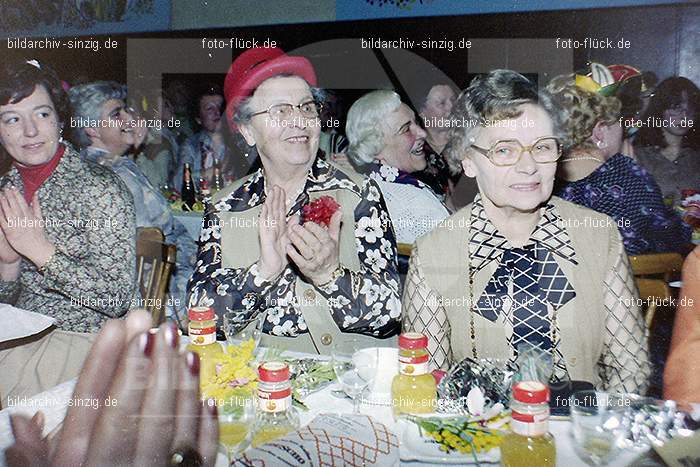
(467, 435)
(233, 377)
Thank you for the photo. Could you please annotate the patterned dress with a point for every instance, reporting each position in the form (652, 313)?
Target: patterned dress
(626, 192)
(89, 217)
(365, 301)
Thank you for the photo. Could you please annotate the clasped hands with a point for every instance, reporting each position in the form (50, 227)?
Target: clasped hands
(22, 229)
(313, 249)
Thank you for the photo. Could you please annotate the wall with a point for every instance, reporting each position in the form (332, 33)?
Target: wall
(666, 39)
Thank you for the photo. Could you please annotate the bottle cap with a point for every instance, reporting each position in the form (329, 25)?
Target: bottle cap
(273, 372)
(413, 340)
(200, 313)
(530, 392)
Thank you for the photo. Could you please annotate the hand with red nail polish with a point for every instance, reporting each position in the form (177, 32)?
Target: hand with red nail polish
(149, 405)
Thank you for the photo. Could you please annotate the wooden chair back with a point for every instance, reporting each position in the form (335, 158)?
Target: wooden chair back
(155, 261)
(652, 274)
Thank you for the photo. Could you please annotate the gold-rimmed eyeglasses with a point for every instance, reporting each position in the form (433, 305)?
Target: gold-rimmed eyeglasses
(507, 152)
(308, 109)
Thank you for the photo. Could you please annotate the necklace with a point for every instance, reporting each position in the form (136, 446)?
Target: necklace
(582, 158)
(553, 328)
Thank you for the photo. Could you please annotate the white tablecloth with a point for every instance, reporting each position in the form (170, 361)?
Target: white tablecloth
(55, 402)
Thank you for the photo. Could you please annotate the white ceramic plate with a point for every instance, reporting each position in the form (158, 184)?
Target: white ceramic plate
(414, 447)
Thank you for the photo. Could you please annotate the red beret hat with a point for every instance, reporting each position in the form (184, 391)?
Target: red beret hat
(256, 65)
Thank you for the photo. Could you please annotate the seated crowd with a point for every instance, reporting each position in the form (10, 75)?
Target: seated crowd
(517, 264)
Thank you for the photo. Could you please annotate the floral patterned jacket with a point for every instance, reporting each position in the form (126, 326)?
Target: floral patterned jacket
(89, 217)
(364, 299)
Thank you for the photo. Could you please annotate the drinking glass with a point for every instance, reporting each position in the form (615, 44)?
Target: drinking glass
(236, 417)
(354, 369)
(238, 330)
(597, 425)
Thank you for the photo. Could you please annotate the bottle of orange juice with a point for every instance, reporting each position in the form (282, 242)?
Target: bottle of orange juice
(530, 442)
(202, 332)
(413, 390)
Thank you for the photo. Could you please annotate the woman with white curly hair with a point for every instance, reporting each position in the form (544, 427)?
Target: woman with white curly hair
(388, 145)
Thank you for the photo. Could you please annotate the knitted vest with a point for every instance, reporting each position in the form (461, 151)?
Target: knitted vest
(581, 322)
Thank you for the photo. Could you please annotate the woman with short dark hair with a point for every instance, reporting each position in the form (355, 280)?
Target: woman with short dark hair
(669, 139)
(68, 233)
(210, 146)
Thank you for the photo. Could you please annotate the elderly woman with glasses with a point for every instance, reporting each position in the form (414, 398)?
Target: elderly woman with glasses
(299, 239)
(387, 144)
(519, 268)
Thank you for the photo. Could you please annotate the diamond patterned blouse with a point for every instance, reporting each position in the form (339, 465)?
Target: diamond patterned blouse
(89, 218)
(623, 365)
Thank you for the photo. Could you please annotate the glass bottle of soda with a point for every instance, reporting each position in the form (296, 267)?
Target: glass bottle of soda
(217, 181)
(275, 416)
(187, 194)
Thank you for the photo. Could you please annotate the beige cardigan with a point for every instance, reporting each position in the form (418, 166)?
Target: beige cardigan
(603, 337)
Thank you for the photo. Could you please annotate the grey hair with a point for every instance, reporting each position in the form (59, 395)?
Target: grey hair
(495, 96)
(364, 124)
(86, 101)
(244, 112)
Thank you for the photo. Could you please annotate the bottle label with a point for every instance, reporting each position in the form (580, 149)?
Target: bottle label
(202, 336)
(527, 424)
(413, 366)
(277, 401)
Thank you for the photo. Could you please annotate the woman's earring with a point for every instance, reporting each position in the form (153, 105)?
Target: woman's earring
(601, 144)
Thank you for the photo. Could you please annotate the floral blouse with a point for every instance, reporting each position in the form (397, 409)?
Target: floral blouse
(89, 217)
(366, 301)
(626, 192)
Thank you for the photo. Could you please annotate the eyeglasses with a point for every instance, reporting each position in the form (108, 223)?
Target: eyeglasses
(507, 152)
(308, 109)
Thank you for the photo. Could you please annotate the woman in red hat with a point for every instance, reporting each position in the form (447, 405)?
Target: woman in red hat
(318, 268)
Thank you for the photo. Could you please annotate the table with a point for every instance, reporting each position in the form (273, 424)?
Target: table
(54, 403)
